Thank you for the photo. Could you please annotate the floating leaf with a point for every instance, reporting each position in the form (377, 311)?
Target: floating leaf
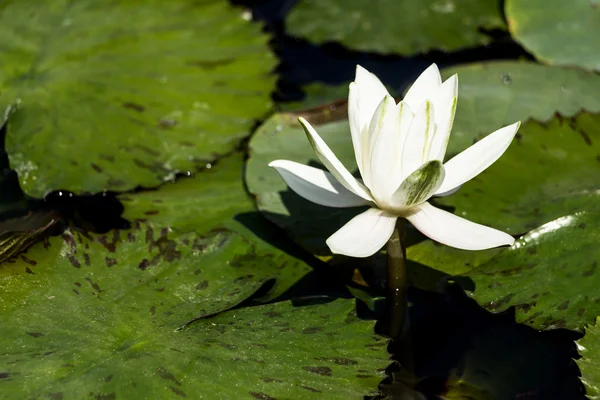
(548, 171)
(550, 275)
(557, 32)
(122, 344)
(389, 26)
(99, 313)
(113, 95)
(495, 94)
(589, 363)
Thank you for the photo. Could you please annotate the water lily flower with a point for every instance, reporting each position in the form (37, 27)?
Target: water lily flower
(399, 150)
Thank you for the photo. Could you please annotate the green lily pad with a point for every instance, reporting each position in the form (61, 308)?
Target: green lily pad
(216, 201)
(560, 158)
(557, 32)
(549, 275)
(389, 26)
(120, 343)
(113, 95)
(495, 94)
(589, 363)
(549, 170)
(130, 312)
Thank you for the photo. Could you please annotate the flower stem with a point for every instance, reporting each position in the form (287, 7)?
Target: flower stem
(396, 279)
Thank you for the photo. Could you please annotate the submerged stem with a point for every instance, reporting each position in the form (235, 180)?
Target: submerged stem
(396, 279)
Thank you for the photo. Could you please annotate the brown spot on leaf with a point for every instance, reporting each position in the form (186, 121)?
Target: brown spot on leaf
(29, 271)
(108, 378)
(74, 261)
(107, 157)
(210, 64)
(86, 259)
(4, 375)
(269, 380)
(94, 285)
(35, 334)
(28, 261)
(338, 360)
(592, 269)
(143, 265)
(310, 389)
(105, 396)
(177, 391)
(580, 312)
(564, 305)
(585, 136)
(166, 375)
(261, 396)
(324, 371)
(110, 261)
(133, 106)
(97, 168)
(313, 329)
(151, 212)
(202, 285)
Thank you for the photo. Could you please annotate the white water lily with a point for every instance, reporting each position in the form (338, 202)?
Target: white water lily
(399, 150)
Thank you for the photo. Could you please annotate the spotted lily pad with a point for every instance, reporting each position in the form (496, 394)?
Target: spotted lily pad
(560, 157)
(112, 95)
(113, 345)
(131, 312)
(389, 26)
(551, 169)
(495, 94)
(589, 364)
(550, 275)
(558, 32)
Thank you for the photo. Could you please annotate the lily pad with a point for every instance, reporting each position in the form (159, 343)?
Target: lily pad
(589, 363)
(120, 342)
(213, 202)
(548, 171)
(389, 26)
(495, 94)
(550, 275)
(113, 95)
(557, 32)
(131, 312)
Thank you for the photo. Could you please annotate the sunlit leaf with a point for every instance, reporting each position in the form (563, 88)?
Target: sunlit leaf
(110, 95)
(389, 26)
(589, 363)
(557, 32)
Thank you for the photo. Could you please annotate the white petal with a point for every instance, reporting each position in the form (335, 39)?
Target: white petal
(364, 234)
(444, 105)
(424, 87)
(386, 155)
(477, 158)
(383, 131)
(357, 129)
(316, 185)
(454, 231)
(332, 163)
(448, 193)
(370, 93)
(414, 151)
